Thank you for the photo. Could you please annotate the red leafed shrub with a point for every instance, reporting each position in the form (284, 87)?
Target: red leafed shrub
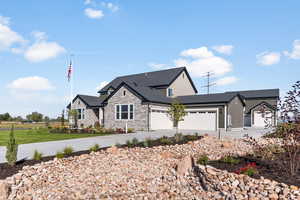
(120, 131)
(250, 169)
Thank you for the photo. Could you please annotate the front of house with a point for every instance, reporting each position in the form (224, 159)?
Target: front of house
(141, 101)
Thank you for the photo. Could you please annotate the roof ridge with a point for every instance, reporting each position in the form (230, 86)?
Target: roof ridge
(151, 72)
(253, 90)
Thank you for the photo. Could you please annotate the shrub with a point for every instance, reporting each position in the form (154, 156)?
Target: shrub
(97, 125)
(230, 160)
(130, 130)
(37, 155)
(59, 154)
(135, 141)
(68, 151)
(128, 143)
(11, 148)
(147, 142)
(250, 169)
(95, 148)
(165, 141)
(120, 130)
(203, 160)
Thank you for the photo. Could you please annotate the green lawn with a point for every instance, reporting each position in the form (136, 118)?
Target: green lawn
(29, 136)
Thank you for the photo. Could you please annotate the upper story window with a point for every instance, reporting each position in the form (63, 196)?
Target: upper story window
(170, 92)
(124, 111)
(124, 93)
(182, 75)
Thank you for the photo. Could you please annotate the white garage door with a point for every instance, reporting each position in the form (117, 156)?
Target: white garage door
(160, 120)
(261, 120)
(199, 120)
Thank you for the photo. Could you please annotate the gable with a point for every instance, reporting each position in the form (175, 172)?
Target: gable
(183, 85)
(124, 94)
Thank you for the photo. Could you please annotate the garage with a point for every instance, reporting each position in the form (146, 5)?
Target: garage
(199, 120)
(262, 119)
(160, 120)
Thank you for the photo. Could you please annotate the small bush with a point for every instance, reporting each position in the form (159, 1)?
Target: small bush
(37, 155)
(165, 141)
(230, 160)
(95, 148)
(203, 160)
(60, 154)
(97, 125)
(250, 169)
(11, 148)
(135, 141)
(68, 151)
(130, 130)
(147, 142)
(128, 143)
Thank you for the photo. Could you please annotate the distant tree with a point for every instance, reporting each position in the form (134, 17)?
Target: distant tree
(11, 148)
(5, 117)
(46, 120)
(73, 115)
(176, 113)
(18, 119)
(35, 116)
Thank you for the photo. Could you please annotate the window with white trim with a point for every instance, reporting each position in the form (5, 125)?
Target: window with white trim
(124, 111)
(170, 92)
(80, 113)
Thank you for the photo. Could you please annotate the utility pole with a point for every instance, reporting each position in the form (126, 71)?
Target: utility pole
(208, 75)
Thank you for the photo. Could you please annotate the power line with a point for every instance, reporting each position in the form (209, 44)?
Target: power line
(209, 84)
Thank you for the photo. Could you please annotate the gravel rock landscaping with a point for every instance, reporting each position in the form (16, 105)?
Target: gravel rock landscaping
(163, 172)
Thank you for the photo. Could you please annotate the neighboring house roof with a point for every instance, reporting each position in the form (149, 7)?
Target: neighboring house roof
(156, 79)
(251, 94)
(90, 101)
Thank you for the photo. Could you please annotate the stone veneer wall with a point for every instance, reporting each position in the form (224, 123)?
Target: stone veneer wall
(90, 116)
(140, 121)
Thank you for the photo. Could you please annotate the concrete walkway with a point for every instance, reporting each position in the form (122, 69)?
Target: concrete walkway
(50, 148)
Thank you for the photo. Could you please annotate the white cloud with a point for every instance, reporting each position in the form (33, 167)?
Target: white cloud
(87, 2)
(8, 37)
(201, 52)
(295, 54)
(38, 35)
(158, 65)
(110, 6)
(226, 80)
(224, 49)
(93, 13)
(33, 83)
(102, 85)
(268, 58)
(202, 61)
(43, 50)
(4, 20)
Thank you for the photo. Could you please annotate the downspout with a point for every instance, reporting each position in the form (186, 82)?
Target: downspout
(225, 117)
(244, 108)
(148, 116)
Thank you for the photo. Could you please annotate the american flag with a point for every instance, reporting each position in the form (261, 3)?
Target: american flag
(70, 71)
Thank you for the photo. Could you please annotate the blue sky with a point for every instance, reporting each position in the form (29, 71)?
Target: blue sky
(247, 44)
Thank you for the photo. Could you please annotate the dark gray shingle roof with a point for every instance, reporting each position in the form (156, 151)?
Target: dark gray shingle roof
(206, 98)
(267, 93)
(90, 101)
(148, 79)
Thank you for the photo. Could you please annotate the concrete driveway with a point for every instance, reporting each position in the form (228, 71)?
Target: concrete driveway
(50, 148)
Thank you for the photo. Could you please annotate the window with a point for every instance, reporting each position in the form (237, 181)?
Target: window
(81, 113)
(183, 75)
(124, 111)
(170, 92)
(124, 93)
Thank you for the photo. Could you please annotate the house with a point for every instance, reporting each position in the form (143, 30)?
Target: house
(141, 101)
